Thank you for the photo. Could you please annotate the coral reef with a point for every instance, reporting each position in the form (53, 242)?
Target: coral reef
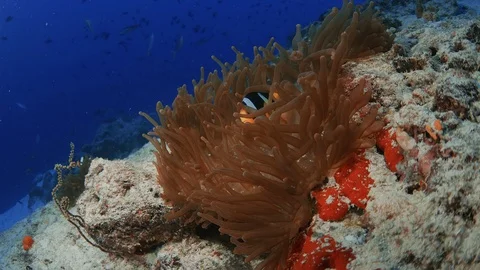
(417, 201)
(250, 171)
(425, 215)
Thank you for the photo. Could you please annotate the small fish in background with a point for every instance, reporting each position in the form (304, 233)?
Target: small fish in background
(21, 106)
(123, 44)
(150, 44)
(48, 40)
(198, 28)
(175, 20)
(4, 38)
(178, 45)
(203, 40)
(9, 19)
(129, 29)
(105, 35)
(88, 25)
(144, 21)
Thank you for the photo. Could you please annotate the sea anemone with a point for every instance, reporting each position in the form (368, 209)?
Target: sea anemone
(251, 170)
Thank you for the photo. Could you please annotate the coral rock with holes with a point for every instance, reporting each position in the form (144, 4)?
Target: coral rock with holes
(121, 209)
(425, 216)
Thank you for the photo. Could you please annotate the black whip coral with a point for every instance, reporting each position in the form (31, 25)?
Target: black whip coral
(250, 171)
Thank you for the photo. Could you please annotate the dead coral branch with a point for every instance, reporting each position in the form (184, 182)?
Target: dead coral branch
(250, 171)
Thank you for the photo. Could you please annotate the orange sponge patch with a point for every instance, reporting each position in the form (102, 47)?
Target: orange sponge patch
(27, 242)
(386, 142)
(354, 180)
(320, 253)
(330, 205)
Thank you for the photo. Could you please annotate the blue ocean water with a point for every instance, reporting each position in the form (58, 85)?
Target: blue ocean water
(69, 66)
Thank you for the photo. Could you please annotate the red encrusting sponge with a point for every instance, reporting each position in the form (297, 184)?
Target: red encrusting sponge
(319, 253)
(353, 184)
(331, 205)
(354, 180)
(386, 141)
